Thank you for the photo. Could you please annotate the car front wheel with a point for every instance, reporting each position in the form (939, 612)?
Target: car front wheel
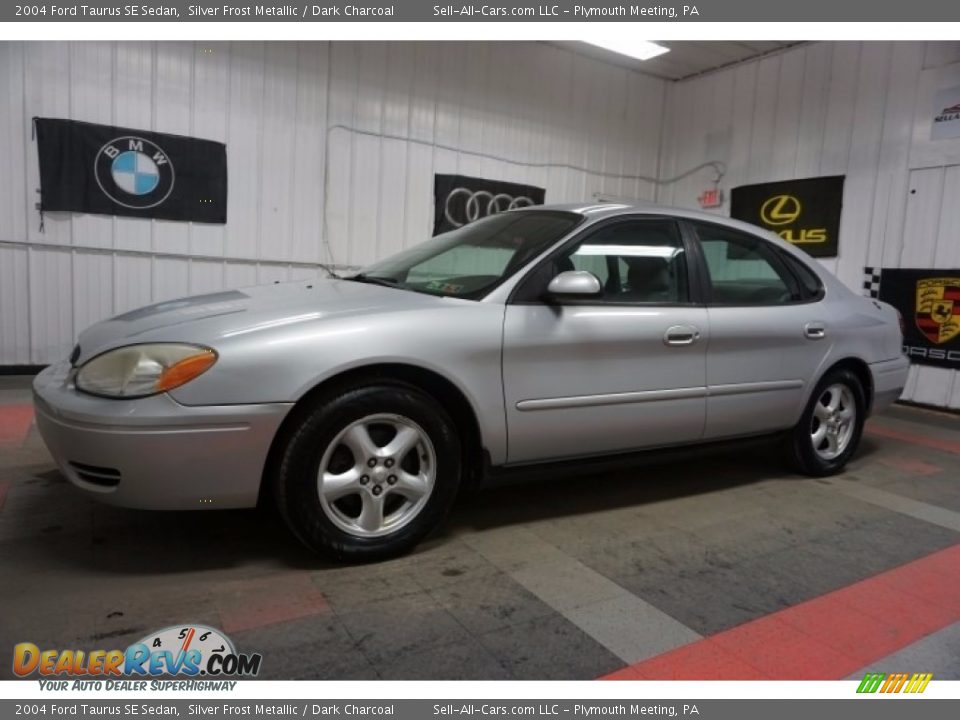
(369, 471)
(831, 425)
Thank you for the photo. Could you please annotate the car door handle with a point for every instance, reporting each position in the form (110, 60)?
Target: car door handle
(681, 335)
(815, 331)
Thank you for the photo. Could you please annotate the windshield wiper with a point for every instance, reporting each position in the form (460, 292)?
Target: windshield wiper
(330, 271)
(374, 280)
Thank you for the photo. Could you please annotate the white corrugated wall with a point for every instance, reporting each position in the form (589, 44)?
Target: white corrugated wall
(303, 189)
(289, 113)
(860, 109)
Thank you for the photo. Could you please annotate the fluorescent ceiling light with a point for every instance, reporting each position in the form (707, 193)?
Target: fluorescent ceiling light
(639, 49)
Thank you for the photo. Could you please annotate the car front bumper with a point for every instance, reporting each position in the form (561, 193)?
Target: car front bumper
(155, 453)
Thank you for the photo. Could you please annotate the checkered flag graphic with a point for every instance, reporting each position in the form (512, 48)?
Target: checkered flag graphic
(871, 282)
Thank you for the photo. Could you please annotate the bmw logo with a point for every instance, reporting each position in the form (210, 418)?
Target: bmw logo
(134, 172)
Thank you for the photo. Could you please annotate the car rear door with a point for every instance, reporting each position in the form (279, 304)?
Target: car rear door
(769, 333)
(621, 371)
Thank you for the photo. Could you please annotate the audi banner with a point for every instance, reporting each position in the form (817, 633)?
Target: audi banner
(459, 199)
(804, 212)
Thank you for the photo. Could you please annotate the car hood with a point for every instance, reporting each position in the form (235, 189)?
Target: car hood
(207, 318)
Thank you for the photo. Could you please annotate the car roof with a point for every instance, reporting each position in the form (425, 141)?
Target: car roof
(600, 211)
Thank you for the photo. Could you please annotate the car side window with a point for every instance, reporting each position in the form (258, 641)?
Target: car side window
(744, 270)
(638, 261)
(809, 282)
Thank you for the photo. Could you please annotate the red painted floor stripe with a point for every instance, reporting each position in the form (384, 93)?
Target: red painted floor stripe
(270, 600)
(949, 446)
(910, 465)
(828, 637)
(15, 423)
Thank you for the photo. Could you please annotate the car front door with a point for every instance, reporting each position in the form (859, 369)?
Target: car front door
(620, 371)
(768, 332)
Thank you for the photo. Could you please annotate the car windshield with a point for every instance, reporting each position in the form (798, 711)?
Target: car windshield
(470, 261)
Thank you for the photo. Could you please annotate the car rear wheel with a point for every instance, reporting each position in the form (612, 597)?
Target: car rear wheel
(368, 471)
(831, 425)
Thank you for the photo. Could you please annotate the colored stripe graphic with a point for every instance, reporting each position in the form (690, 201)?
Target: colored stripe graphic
(871, 682)
(919, 682)
(828, 637)
(894, 682)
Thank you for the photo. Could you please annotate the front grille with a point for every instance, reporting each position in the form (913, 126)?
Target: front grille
(103, 476)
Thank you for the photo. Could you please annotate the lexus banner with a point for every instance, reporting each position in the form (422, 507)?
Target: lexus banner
(803, 212)
(929, 301)
(459, 199)
(111, 170)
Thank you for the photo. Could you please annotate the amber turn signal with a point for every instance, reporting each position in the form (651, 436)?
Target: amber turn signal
(185, 370)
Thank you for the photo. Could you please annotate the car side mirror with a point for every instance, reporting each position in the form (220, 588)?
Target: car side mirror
(574, 283)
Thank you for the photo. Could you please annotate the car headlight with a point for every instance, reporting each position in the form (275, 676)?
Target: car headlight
(141, 370)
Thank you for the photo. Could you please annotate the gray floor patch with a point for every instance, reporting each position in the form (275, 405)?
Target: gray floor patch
(898, 503)
(630, 628)
(938, 653)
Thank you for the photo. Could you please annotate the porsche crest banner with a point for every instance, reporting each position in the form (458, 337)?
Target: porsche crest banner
(929, 301)
(459, 199)
(803, 212)
(109, 170)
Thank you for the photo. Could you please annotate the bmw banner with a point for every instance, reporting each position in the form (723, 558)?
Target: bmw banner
(460, 199)
(804, 212)
(110, 170)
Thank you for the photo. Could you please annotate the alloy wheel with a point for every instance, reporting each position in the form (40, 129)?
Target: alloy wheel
(833, 421)
(377, 475)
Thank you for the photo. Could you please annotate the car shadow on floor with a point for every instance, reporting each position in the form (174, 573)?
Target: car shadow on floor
(638, 482)
(80, 531)
(53, 520)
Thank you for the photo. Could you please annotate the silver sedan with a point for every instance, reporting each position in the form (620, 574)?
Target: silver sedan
(362, 403)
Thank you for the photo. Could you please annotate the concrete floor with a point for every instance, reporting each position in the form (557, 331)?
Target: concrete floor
(722, 566)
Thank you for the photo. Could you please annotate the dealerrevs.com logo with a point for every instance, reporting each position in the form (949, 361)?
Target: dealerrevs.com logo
(190, 651)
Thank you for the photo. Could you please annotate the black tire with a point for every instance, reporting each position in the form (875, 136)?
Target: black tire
(317, 425)
(804, 457)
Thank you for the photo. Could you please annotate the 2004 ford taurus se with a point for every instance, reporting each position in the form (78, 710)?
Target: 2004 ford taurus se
(534, 335)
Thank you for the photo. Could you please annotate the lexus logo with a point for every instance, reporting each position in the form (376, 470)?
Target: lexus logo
(780, 210)
(464, 205)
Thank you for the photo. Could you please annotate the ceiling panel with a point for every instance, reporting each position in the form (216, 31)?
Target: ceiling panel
(686, 58)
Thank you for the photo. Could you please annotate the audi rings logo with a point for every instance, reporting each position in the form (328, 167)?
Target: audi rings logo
(459, 200)
(464, 205)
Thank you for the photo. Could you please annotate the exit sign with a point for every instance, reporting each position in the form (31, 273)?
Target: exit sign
(712, 198)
